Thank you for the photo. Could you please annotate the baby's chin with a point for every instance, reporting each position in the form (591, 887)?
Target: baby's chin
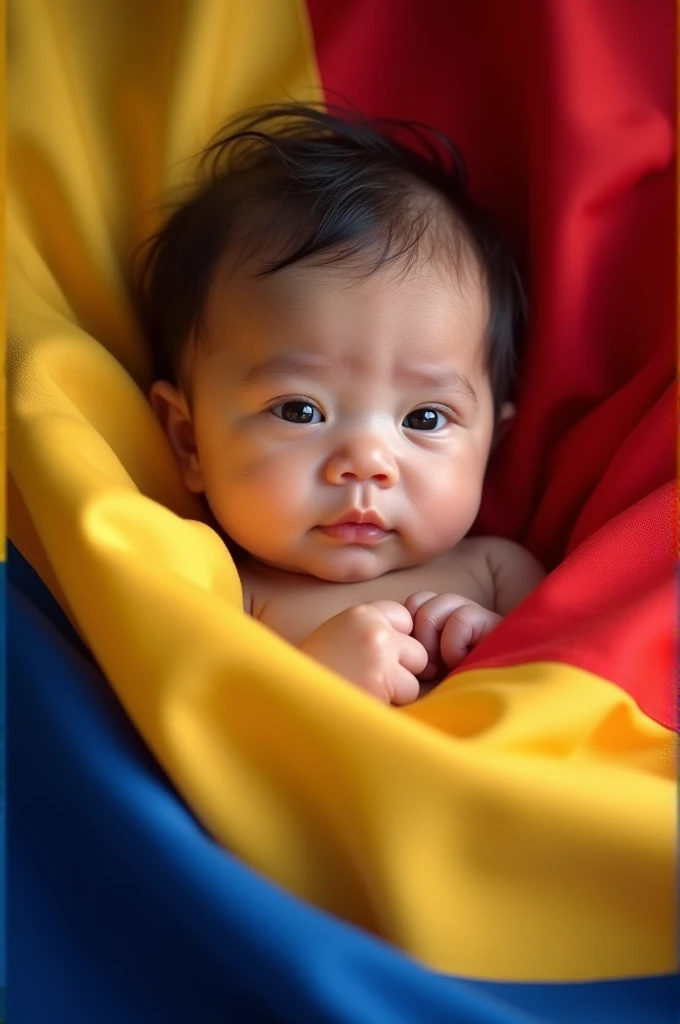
(350, 575)
(351, 565)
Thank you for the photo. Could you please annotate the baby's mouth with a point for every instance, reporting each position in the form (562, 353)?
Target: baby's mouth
(355, 533)
(357, 527)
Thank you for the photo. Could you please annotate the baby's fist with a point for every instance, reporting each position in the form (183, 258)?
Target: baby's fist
(370, 645)
(448, 626)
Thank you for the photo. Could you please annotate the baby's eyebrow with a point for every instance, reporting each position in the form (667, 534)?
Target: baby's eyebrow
(444, 378)
(283, 365)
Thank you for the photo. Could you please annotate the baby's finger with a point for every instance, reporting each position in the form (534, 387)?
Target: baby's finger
(405, 686)
(464, 630)
(396, 614)
(429, 621)
(412, 655)
(414, 602)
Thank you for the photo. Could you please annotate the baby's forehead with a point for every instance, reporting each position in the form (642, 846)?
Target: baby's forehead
(443, 265)
(425, 311)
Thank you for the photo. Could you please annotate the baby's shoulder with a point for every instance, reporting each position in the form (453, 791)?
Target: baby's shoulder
(474, 555)
(514, 571)
(488, 549)
(498, 552)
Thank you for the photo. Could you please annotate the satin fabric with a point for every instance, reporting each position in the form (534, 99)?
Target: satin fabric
(518, 824)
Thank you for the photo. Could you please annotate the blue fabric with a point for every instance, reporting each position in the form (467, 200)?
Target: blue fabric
(3, 795)
(122, 910)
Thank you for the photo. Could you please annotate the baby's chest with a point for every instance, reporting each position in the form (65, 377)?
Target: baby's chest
(295, 608)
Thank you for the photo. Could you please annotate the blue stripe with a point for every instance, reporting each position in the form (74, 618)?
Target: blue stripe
(123, 911)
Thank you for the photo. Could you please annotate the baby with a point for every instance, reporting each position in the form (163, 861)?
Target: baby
(332, 320)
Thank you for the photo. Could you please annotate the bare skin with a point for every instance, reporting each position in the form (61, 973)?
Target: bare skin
(340, 426)
(362, 630)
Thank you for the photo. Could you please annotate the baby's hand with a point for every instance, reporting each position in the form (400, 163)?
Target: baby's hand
(370, 645)
(448, 626)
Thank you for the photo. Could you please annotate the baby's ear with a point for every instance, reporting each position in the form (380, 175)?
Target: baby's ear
(173, 413)
(503, 423)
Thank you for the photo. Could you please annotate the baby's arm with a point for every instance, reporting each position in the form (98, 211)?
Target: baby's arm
(515, 573)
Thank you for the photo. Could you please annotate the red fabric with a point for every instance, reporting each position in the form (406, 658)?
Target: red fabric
(608, 608)
(565, 113)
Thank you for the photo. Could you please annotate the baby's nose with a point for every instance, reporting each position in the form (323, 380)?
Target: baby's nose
(362, 461)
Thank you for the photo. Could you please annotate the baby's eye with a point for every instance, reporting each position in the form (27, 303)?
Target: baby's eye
(297, 412)
(425, 419)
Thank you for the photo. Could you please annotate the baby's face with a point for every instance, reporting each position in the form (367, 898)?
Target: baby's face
(340, 423)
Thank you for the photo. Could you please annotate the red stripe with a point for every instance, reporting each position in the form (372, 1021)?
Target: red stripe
(608, 608)
(565, 113)
(438, 62)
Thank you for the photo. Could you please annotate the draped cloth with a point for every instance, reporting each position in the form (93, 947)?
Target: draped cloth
(206, 795)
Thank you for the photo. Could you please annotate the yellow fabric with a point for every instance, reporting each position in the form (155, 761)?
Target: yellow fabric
(516, 824)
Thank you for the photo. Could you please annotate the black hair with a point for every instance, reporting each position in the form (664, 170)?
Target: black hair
(333, 186)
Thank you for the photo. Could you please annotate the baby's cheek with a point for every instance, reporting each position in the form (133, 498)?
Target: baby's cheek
(274, 474)
(256, 493)
(450, 506)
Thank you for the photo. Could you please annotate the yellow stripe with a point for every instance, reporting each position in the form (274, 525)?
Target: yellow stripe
(517, 824)
(108, 104)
